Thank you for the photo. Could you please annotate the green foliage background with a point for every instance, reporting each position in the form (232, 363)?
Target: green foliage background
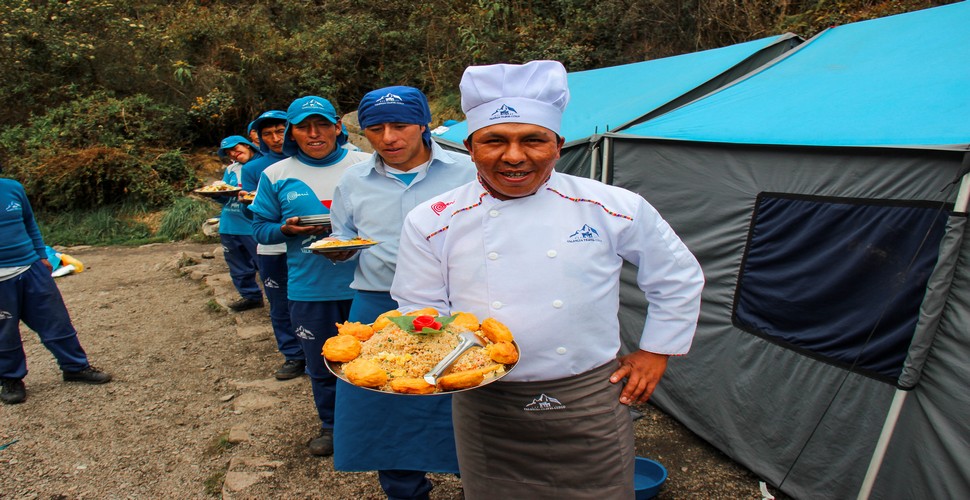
(103, 100)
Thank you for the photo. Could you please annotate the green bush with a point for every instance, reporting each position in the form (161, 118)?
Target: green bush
(88, 178)
(184, 219)
(107, 225)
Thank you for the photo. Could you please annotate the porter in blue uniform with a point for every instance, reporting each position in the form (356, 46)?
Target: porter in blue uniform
(28, 294)
(319, 291)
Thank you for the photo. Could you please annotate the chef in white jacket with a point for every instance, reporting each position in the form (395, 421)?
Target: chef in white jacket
(542, 252)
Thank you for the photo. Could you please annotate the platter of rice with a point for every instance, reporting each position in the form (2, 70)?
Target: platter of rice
(397, 352)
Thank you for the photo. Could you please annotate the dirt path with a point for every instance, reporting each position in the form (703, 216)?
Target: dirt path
(194, 412)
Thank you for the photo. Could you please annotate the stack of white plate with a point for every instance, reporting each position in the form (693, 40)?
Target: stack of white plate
(315, 220)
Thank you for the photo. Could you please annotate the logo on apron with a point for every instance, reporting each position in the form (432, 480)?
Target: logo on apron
(544, 403)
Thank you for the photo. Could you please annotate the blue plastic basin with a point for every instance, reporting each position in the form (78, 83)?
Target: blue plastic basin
(648, 477)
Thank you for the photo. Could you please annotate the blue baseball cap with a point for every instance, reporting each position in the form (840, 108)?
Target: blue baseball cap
(273, 114)
(310, 105)
(303, 108)
(231, 142)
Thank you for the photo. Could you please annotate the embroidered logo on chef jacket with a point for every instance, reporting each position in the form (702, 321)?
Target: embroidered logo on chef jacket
(440, 206)
(13, 206)
(505, 111)
(585, 234)
(269, 283)
(5, 315)
(544, 403)
(304, 334)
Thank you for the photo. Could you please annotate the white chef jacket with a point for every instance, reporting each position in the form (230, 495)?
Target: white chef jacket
(548, 266)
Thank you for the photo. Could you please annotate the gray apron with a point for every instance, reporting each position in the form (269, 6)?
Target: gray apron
(567, 438)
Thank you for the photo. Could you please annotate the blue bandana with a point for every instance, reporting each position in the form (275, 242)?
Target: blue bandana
(396, 104)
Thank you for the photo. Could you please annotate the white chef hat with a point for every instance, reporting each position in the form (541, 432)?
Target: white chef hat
(534, 93)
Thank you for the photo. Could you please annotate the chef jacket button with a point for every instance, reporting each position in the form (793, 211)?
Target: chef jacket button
(560, 350)
(496, 305)
(551, 253)
(557, 304)
(493, 213)
(492, 256)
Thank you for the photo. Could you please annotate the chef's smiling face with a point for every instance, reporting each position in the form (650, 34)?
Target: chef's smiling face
(514, 159)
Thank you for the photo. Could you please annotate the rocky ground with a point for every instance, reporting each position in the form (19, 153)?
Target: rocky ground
(194, 411)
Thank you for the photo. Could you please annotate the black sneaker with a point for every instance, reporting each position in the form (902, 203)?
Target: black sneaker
(89, 375)
(245, 304)
(12, 391)
(322, 445)
(292, 368)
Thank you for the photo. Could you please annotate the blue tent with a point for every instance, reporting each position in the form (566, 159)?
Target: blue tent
(825, 196)
(609, 98)
(885, 82)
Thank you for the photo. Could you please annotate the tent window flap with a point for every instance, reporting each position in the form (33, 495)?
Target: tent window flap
(838, 279)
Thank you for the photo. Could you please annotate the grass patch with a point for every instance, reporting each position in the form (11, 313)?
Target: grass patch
(109, 225)
(214, 307)
(218, 445)
(213, 484)
(184, 219)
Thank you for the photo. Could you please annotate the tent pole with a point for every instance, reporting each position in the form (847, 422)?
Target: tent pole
(594, 162)
(887, 432)
(960, 206)
(605, 176)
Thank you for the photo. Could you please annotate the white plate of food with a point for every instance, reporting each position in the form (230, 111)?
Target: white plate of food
(397, 353)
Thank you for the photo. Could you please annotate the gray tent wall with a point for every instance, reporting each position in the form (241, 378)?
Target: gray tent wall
(759, 402)
(872, 111)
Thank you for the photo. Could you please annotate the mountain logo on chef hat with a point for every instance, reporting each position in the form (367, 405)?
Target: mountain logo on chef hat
(544, 403)
(584, 234)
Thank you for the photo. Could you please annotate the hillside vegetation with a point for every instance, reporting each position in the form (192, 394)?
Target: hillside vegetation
(102, 100)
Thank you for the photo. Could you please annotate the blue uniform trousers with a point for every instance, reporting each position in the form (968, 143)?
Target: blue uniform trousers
(272, 270)
(313, 324)
(240, 253)
(33, 297)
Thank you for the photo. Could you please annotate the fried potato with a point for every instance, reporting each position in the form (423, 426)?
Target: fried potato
(427, 311)
(365, 373)
(466, 321)
(502, 352)
(341, 348)
(495, 331)
(465, 379)
(460, 380)
(381, 322)
(356, 329)
(406, 385)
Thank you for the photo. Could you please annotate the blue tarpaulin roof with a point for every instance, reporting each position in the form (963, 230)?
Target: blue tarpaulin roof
(896, 81)
(606, 98)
